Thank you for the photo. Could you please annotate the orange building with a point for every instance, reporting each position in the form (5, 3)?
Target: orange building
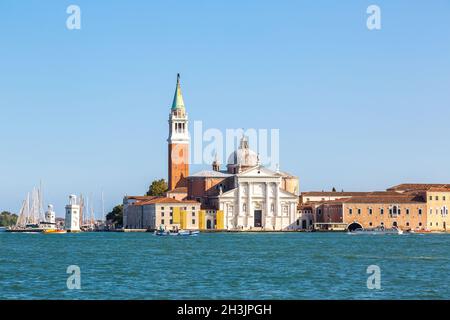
(421, 207)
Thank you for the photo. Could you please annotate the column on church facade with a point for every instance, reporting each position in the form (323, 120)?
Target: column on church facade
(249, 207)
(278, 212)
(238, 212)
(267, 214)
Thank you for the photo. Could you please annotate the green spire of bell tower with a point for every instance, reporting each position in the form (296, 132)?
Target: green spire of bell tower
(178, 102)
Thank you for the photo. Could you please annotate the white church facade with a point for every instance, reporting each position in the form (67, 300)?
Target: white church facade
(259, 202)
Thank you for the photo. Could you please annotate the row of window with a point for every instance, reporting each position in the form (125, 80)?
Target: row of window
(180, 127)
(171, 221)
(443, 211)
(392, 211)
(394, 224)
(171, 208)
(437, 198)
(171, 214)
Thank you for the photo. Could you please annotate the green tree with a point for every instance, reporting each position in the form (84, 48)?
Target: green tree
(334, 189)
(157, 188)
(116, 215)
(7, 219)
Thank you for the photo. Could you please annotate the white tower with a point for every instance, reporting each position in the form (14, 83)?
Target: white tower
(50, 215)
(72, 222)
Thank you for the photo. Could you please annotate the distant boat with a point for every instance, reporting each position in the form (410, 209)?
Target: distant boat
(164, 233)
(377, 231)
(54, 231)
(2, 229)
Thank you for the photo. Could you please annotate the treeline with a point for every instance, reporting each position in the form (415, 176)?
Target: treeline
(7, 219)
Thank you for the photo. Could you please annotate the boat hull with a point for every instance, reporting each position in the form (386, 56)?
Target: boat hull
(176, 234)
(54, 231)
(377, 231)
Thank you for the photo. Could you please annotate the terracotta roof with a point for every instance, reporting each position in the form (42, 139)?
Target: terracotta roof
(331, 194)
(140, 197)
(438, 189)
(418, 186)
(178, 190)
(210, 174)
(154, 200)
(386, 199)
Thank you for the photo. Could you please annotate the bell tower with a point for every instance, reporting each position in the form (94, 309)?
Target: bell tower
(178, 141)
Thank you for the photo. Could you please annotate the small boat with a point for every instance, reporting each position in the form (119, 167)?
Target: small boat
(164, 233)
(54, 231)
(2, 229)
(29, 228)
(377, 231)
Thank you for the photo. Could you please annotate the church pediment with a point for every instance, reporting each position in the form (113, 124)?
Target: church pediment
(259, 171)
(285, 194)
(229, 194)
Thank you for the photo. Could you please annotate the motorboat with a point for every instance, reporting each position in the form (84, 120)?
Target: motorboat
(176, 233)
(377, 231)
(54, 231)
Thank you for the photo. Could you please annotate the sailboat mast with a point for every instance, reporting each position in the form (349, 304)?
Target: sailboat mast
(41, 216)
(103, 206)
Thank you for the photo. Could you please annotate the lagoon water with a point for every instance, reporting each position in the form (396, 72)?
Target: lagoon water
(224, 266)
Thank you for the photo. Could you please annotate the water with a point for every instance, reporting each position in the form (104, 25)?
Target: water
(224, 266)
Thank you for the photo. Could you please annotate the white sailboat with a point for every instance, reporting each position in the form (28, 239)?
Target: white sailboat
(31, 217)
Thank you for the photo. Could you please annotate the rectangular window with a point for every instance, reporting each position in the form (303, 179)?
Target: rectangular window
(407, 211)
(193, 221)
(193, 214)
(437, 198)
(193, 208)
(162, 208)
(370, 210)
(171, 221)
(431, 198)
(381, 211)
(162, 221)
(162, 214)
(420, 211)
(350, 211)
(359, 211)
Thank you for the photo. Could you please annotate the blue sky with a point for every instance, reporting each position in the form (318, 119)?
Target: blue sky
(86, 110)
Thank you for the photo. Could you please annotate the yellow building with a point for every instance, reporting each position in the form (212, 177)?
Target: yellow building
(438, 202)
(153, 212)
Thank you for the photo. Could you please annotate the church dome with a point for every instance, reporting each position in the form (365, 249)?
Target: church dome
(243, 156)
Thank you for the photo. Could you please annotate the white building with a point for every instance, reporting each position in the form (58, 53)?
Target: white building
(50, 216)
(72, 222)
(258, 201)
(251, 196)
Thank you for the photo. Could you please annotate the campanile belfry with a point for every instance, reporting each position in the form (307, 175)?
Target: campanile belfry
(178, 141)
